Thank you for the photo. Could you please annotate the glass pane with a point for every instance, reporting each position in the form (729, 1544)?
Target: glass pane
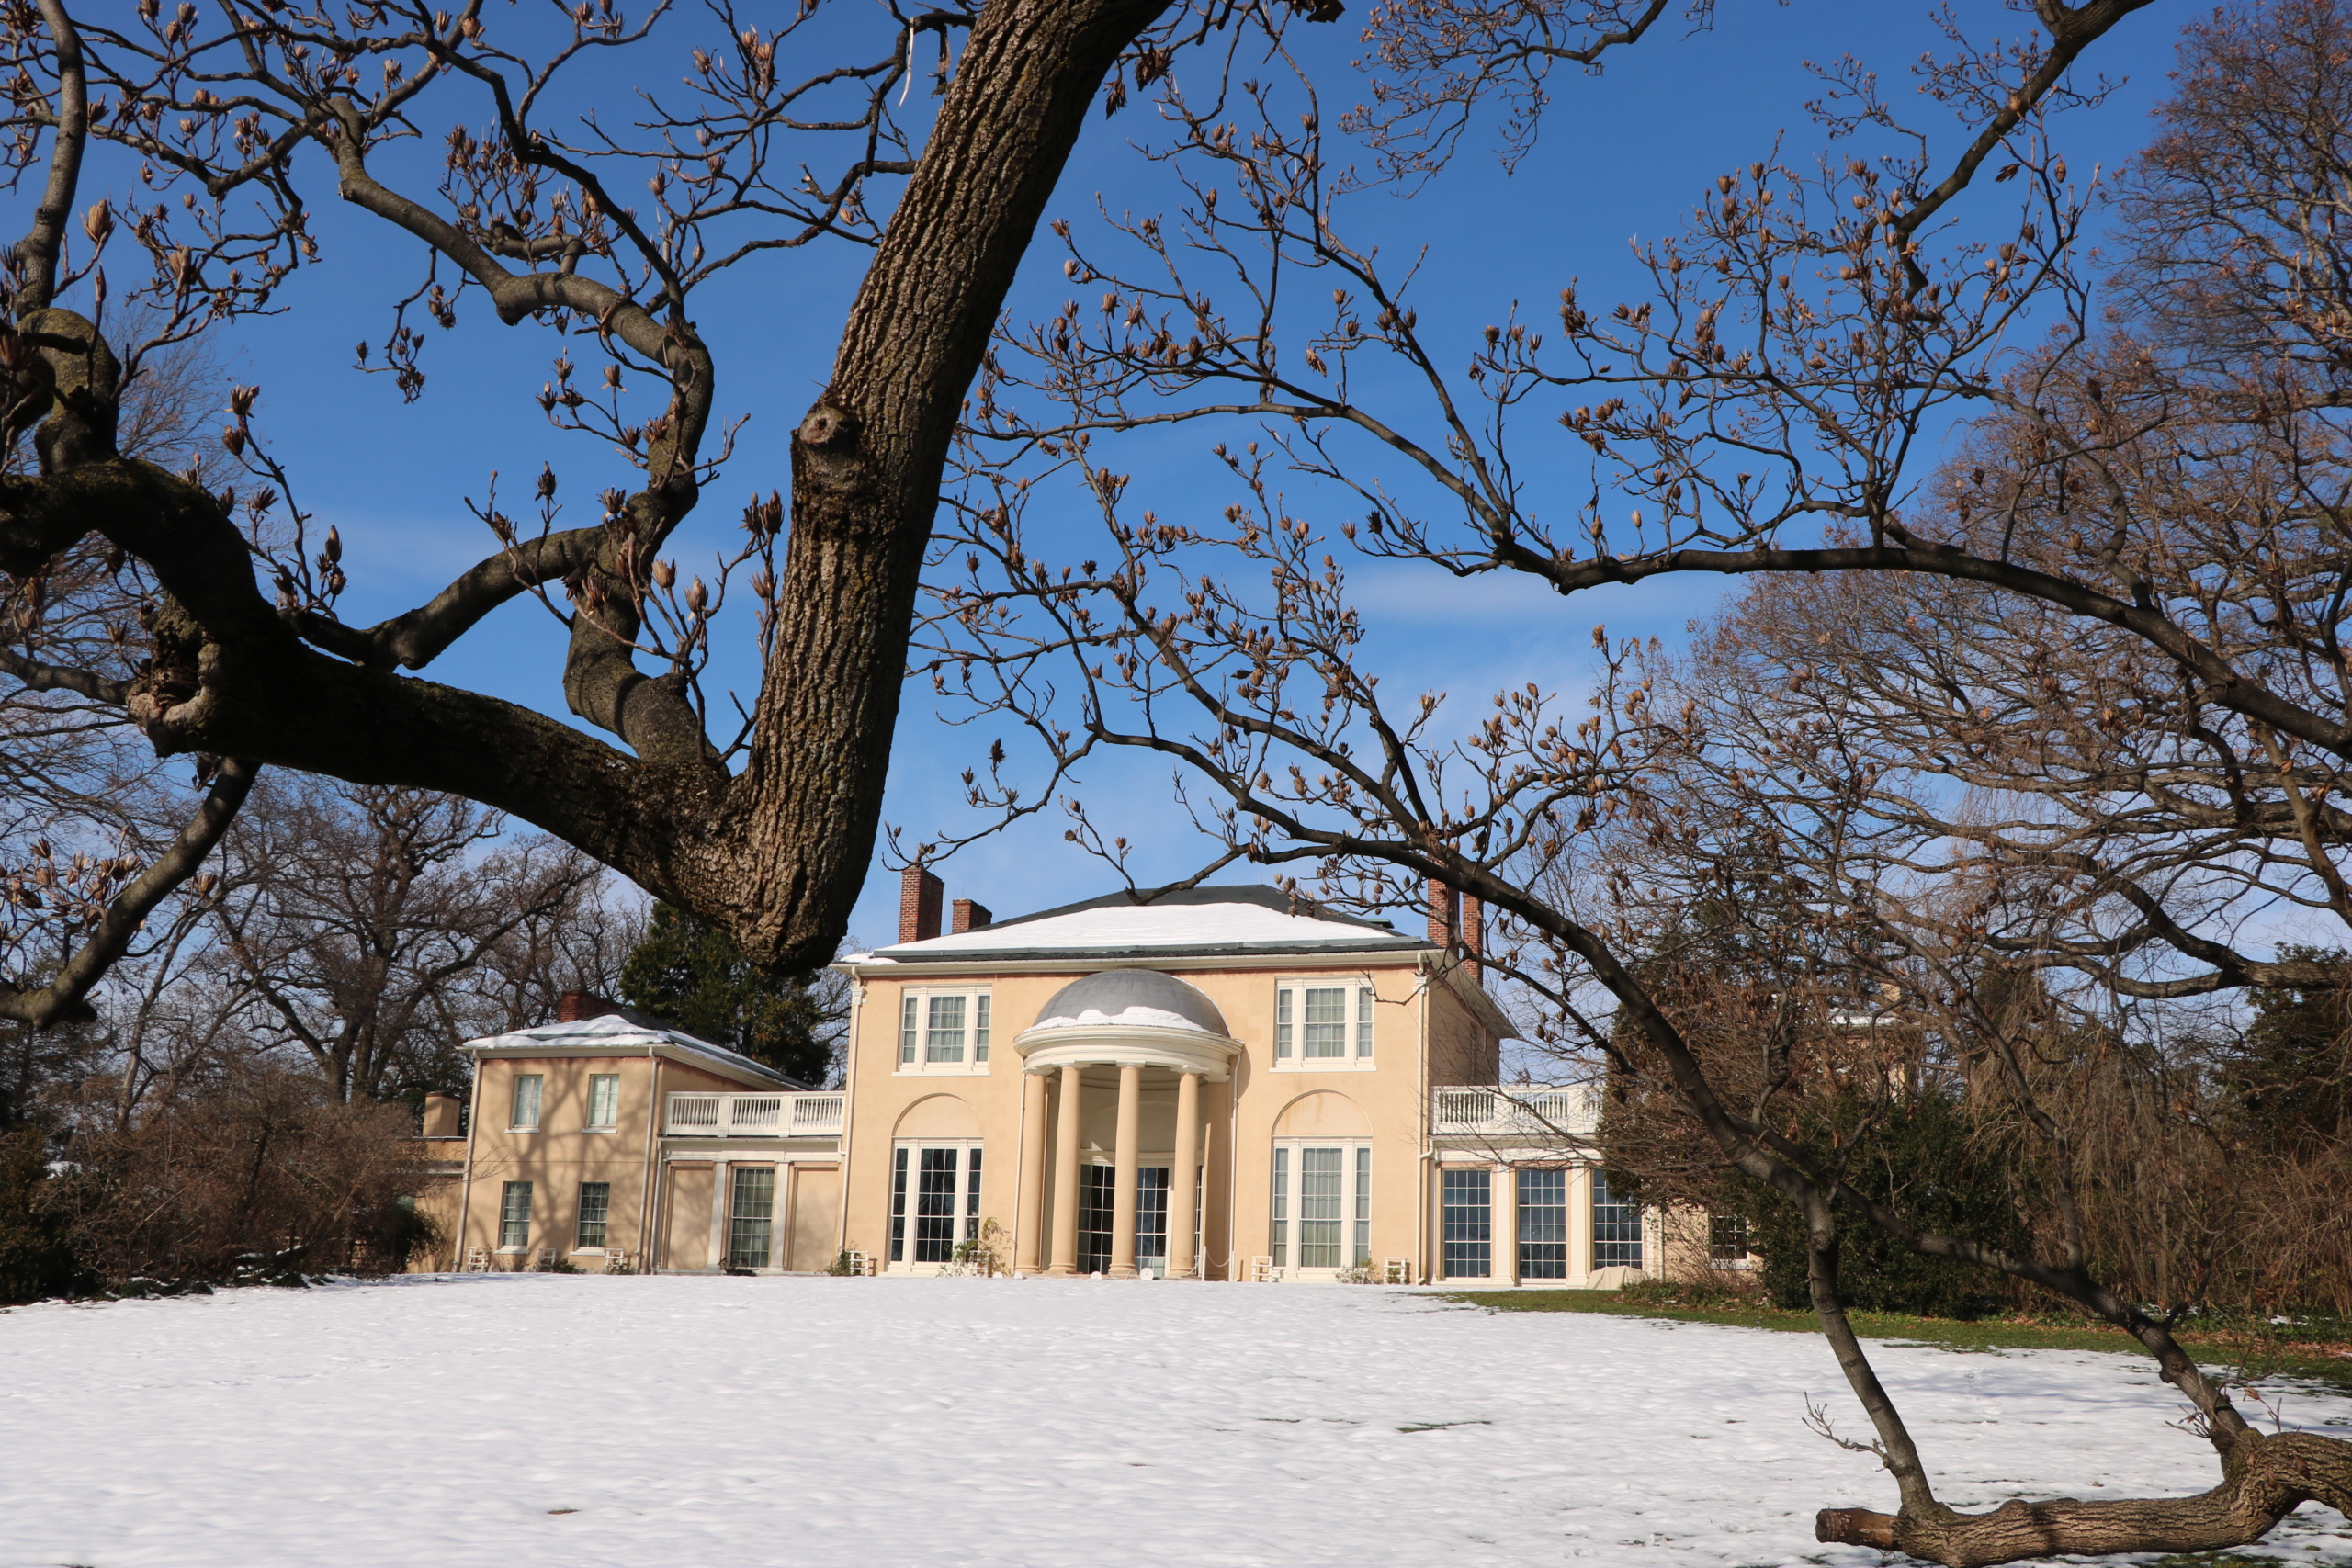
(971, 1194)
(898, 1203)
(1320, 1174)
(1467, 1224)
(1280, 1246)
(1151, 1220)
(604, 1099)
(752, 1217)
(1363, 1022)
(907, 1030)
(1097, 1202)
(1727, 1238)
(1616, 1228)
(945, 1042)
(1542, 1224)
(980, 1029)
(1363, 1205)
(1326, 1022)
(527, 1100)
(1282, 1025)
(595, 1205)
(935, 1205)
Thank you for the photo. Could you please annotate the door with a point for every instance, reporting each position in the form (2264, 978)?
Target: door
(686, 1222)
(816, 1217)
(1098, 1202)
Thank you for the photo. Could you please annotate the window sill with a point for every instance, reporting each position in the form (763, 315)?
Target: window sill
(944, 1070)
(608, 1130)
(513, 1251)
(1325, 1064)
(588, 1252)
(532, 1128)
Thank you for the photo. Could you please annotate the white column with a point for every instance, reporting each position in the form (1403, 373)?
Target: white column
(1030, 1222)
(1065, 1258)
(1125, 1183)
(1184, 1245)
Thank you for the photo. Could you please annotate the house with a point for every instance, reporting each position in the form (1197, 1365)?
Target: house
(610, 1141)
(1224, 1083)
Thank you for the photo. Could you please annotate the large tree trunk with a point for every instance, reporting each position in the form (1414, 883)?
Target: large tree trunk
(2264, 1479)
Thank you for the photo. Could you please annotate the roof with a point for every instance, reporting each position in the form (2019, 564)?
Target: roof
(628, 1033)
(1190, 921)
(1136, 999)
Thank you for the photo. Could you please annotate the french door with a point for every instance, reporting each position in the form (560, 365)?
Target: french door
(1098, 1202)
(935, 1201)
(1322, 1207)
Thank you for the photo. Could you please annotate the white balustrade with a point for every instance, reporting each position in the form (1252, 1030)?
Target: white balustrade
(747, 1115)
(1486, 1109)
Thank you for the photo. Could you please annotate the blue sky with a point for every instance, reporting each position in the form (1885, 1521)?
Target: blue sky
(1623, 154)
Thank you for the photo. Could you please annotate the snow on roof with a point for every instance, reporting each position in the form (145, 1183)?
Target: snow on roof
(628, 1029)
(1131, 999)
(1205, 921)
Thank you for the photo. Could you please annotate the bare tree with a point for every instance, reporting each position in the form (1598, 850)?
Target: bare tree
(226, 118)
(1771, 409)
(373, 931)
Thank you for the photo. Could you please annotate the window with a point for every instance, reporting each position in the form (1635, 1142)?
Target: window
(1543, 1224)
(1325, 1219)
(1616, 1228)
(1727, 1241)
(943, 1031)
(527, 1100)
(596, 1205)
(1323, 1023)
(1466, 1222)
(604, 1099)
(515, 1217)
(750, 1217)
(935, 1201)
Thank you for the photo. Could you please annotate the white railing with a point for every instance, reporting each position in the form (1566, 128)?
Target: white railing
(742, 1115)
(1483, 1110)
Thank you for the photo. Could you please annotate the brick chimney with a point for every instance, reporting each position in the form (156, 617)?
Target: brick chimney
(573, 1006)
(919, 898)
(1445, 916)
(440, 1116)
(1458, 923)
(968, 916)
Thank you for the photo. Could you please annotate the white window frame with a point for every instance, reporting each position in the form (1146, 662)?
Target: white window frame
(921, 1043)
(1357, 1026)
(1286, 1165)
(901, 1209)
(538, 1097)
(609, 1085)
(580, 1242)
(508, 1217)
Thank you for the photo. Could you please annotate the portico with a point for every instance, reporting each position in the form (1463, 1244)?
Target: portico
(1137, 1035)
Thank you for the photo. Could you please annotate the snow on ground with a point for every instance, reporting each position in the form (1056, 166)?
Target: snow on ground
(515, 1420)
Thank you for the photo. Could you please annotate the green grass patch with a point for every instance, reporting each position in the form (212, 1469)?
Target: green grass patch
(2320, 1353)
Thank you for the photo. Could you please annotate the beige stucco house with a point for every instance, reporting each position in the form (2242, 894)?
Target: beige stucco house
(1222, 1084)
(612, 1142)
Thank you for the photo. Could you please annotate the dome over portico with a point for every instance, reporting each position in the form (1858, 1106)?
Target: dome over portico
(1134, 999)
(1138, 1018)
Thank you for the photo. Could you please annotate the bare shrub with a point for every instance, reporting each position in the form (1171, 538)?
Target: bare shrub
(262, 1161)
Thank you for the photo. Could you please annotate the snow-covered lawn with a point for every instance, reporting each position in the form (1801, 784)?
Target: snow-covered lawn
(511, 1420)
